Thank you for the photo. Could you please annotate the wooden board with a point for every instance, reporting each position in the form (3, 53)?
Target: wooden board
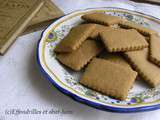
(14, 18)
(47, 14)
(154, 2)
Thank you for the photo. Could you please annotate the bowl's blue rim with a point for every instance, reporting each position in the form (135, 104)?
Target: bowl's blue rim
(85, 101)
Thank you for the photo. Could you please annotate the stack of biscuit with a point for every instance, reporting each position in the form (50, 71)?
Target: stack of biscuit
(111, 56)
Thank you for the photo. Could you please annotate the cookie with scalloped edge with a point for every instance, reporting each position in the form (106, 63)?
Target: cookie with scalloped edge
(146, 69)
(154, 49)
(75, 38)
(120, 40)
(77, 59)
(108, 78)
(101, 18)
(131, 25)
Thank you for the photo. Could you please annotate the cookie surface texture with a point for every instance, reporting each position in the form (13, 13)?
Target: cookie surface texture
(109, 78)
(121, 40)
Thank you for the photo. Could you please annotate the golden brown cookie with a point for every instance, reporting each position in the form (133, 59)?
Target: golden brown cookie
(80, 57)
(118, 40)
(74, 39)
(146, 69)
(154, 49)
(143, 30)
(109, 78)
(101, 18)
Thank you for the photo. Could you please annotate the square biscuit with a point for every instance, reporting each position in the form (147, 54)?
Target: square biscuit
(101, 18)
(154, 49)
(108, 78)
(75, 38)
(146, 69)
(80, 57)
(143, 30)
(120, 40)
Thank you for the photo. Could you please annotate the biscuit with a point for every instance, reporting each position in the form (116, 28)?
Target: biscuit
(154, 49)
(101, 18)
(80, 57)
(143, 30)
(98, 29)
(146, 69)
(120, 40)
(109, 78)
(74, 39)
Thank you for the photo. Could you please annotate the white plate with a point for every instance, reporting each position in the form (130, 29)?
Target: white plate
(140, 98)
